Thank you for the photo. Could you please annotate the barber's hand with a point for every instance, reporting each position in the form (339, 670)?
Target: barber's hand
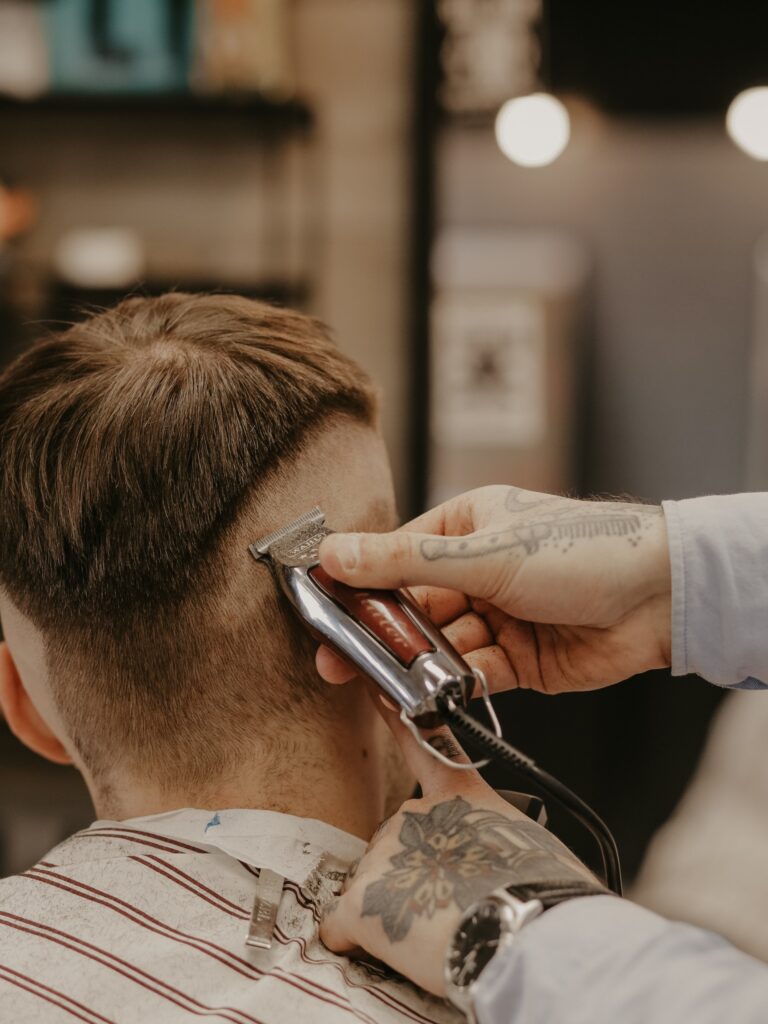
(540, 592)
(431, 860)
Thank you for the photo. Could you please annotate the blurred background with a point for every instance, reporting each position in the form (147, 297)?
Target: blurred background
(539, 224)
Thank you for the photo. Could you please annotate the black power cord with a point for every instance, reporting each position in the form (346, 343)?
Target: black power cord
(497, 748)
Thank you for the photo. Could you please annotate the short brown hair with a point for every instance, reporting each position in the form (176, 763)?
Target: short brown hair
(128, 446)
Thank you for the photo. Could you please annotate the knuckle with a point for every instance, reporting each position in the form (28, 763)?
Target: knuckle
(374, 550)
(365, 555)
(403, 548)
(400, 554)
(412, 805)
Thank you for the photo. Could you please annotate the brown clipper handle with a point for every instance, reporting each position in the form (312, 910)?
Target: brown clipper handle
(381, 612)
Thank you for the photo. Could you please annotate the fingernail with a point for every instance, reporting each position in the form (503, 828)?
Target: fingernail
(348, 551)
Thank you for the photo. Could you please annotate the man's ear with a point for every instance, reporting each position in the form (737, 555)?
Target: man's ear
(23, 718)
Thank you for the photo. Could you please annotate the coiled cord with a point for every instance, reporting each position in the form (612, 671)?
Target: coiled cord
(494, 746)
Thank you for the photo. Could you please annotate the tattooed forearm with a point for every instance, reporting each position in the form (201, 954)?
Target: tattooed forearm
(455, 854)
(558, 529)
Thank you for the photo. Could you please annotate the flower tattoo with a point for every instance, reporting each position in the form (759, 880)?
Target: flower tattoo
(457, 853)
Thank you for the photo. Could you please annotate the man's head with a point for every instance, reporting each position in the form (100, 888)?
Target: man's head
(140, 453)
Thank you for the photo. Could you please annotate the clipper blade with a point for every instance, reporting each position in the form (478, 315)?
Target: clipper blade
(309, 527)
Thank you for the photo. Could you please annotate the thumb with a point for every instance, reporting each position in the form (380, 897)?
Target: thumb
(404, 559)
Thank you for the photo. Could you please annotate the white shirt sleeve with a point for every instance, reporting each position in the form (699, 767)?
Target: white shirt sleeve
(719, 557)
(602, 960)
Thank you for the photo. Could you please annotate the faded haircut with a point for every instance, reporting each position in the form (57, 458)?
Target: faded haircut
(130, 445)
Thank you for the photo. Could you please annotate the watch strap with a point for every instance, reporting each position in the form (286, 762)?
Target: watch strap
(553, 892)
(533, 897)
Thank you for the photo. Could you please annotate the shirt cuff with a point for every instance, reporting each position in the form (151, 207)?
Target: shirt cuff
(718, 549)
(600, 959)
(556, 960)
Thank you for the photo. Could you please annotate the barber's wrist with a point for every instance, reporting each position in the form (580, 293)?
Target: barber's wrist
(492, 925)
(551, 893)
(654, 561)
(654, 590)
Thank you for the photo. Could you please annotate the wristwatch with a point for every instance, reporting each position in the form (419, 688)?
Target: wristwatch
(489, 926)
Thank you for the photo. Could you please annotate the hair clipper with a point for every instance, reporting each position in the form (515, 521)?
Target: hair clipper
(381, 632)
(390, 640)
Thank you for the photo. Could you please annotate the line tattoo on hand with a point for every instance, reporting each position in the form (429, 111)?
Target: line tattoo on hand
(454, 854)
(559, 529)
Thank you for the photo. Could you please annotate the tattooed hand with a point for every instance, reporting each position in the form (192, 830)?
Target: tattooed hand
(540, 592)
(433, 859)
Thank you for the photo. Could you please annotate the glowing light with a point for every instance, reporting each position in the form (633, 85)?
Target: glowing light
(533, 130)
(747, 122)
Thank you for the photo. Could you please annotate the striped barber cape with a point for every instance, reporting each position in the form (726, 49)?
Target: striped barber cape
(144, 922)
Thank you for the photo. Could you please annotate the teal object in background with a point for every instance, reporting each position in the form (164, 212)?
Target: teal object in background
(116, 46)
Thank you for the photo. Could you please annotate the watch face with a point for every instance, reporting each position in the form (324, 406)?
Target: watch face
(474, 944)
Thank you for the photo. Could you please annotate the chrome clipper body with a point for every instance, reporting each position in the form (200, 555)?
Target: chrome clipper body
(381, 632)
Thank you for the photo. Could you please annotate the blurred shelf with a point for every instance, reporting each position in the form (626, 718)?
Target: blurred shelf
(275, 116)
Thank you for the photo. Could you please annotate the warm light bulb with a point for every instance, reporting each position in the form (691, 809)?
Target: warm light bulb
(747, 122)
(533, 130)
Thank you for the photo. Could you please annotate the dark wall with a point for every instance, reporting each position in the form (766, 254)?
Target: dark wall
(655, 58)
